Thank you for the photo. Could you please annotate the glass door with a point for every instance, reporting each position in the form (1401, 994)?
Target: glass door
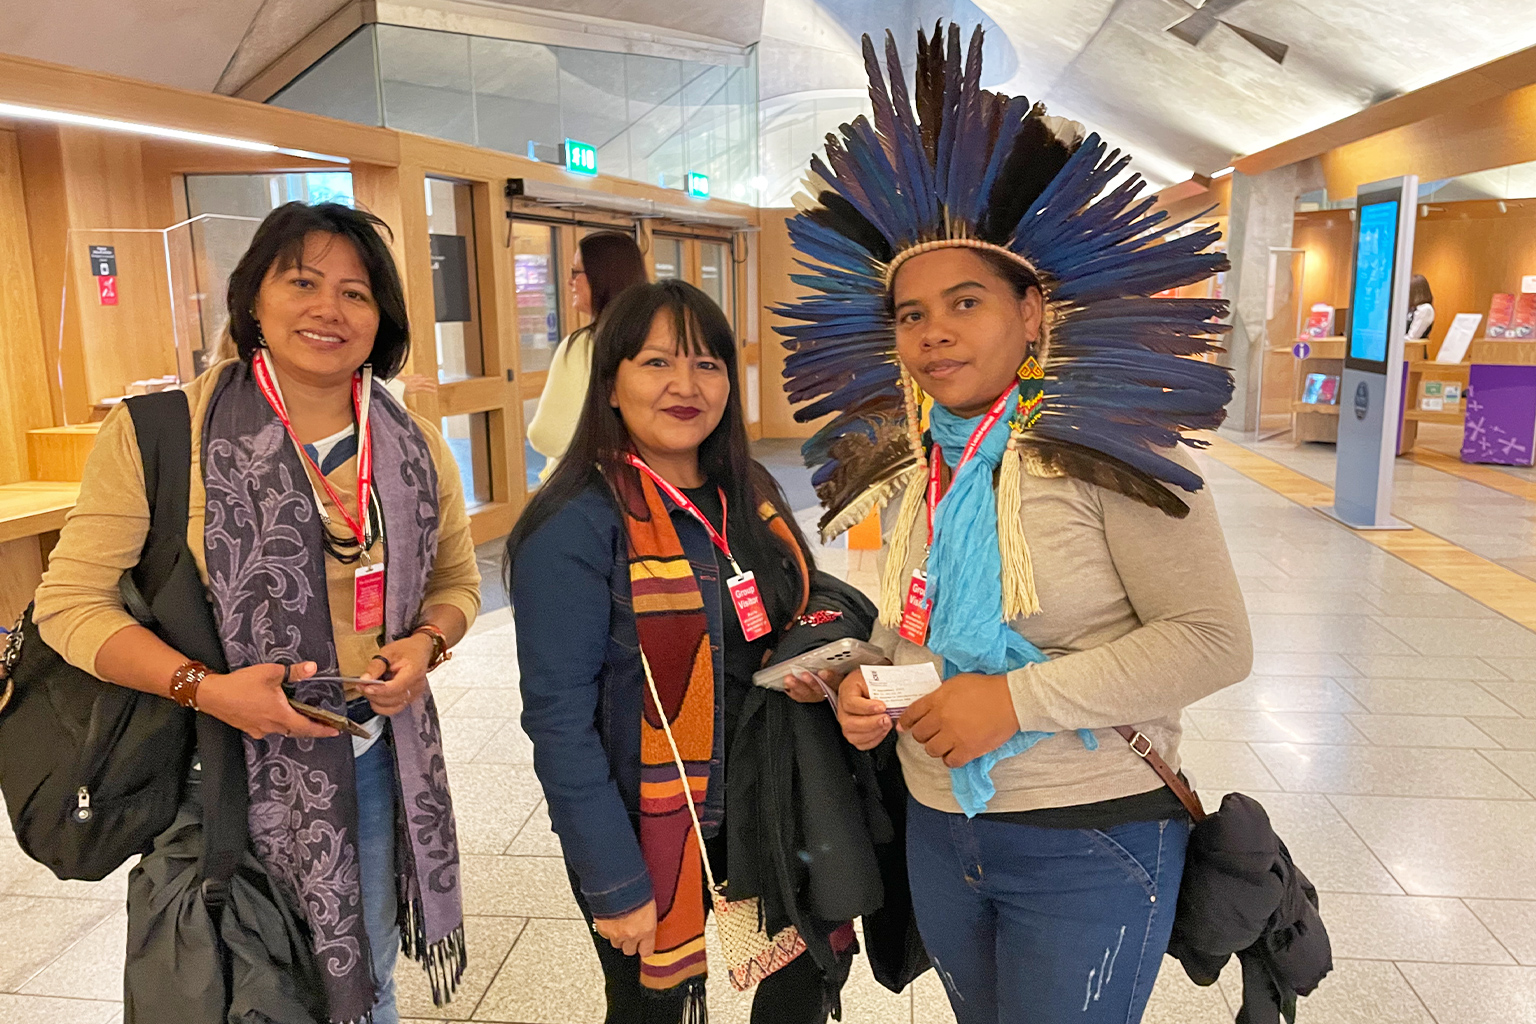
(537, 275)
(1282, 351)
(667, 258)
(457, 331)
(716, 276)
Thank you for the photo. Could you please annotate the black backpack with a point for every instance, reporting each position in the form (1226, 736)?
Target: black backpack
(92, 771)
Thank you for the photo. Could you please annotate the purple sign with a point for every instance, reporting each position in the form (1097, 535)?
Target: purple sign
(1501, 415)
(1301, 350)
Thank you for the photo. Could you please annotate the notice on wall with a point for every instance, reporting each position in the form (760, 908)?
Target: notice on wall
(106, 289)
(450, 278)
(103, 261)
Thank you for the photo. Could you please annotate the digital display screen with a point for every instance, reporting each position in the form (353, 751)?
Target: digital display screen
(1375, 261)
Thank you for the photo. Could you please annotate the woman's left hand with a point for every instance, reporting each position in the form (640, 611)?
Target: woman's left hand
(403, 679)
(802, 686)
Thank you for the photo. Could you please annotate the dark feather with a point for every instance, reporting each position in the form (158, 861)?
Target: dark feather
(928, 89)
(839, 215)
(1110, 473)
(1036, 158)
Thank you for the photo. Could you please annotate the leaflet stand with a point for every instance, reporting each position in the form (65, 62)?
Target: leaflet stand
(1371, 393)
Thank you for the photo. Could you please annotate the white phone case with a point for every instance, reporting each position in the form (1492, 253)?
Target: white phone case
(839, 656)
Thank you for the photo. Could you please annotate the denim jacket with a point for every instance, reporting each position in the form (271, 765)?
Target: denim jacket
(582, 686)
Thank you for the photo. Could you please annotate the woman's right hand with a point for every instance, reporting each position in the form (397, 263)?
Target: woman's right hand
(633, 933)
(252, 700)
(864, 721)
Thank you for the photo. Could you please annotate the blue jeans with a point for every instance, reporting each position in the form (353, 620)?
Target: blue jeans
(376, 863)
(1033, 925)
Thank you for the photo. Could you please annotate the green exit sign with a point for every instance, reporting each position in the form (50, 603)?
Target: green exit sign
(580, 158)
(698, 185)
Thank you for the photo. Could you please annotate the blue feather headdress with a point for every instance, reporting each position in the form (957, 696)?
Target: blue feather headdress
(967, 167)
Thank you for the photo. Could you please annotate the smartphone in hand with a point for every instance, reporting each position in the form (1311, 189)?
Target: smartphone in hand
(330, 718)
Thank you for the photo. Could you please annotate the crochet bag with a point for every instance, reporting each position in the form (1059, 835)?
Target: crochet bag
(751, 954)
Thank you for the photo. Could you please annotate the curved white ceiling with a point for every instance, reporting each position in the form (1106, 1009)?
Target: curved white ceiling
(1109, 63)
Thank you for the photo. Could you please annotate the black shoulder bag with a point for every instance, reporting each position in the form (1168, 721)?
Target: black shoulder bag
(92, 771)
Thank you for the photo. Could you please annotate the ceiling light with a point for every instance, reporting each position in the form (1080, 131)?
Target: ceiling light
(156, 131)
(1222, 173)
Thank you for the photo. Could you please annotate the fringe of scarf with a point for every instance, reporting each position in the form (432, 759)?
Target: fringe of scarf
(1019, 596)
(443, 960)
(893, 581)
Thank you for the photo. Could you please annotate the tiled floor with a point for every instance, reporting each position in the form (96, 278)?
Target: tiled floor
(1389, 727)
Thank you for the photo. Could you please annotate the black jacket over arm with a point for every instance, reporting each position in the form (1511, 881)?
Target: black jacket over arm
(1243, 894)
(815, 828)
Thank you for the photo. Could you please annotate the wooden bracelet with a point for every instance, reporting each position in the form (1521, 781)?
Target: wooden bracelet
(440, 651)
(185, 681)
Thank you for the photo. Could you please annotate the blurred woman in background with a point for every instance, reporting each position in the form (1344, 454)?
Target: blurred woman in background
(606, 263)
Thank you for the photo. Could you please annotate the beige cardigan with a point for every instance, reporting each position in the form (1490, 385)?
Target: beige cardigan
(78, 607)
(1141, 616)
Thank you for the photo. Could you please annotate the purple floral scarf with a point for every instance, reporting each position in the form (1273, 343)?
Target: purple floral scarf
(266, 576)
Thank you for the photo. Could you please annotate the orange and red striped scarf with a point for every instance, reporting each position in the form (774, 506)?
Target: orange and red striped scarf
(674, 634)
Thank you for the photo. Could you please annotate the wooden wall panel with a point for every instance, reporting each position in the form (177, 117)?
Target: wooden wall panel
(24, 401)
(1493, 133)
(42, 166)
(1327, 237)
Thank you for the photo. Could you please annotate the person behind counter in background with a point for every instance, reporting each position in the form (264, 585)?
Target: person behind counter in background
(1421, 308)
(606, 263)
(281, 537)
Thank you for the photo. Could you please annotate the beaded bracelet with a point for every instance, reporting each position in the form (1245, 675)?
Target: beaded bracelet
(185, 681)
(440, 651)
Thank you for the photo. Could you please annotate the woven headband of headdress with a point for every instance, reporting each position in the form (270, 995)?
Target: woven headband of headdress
(969, 167)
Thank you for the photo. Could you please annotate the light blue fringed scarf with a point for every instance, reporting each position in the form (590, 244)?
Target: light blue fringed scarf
(965, 584)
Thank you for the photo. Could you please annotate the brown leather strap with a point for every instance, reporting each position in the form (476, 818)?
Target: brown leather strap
(1142, 748)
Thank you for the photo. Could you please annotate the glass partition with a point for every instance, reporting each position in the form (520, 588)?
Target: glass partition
(593, 105)
(225, 210)
(425, 82)
(651, 118)
(451, 233)
(343, 84)
(655, 97)
(517, 97)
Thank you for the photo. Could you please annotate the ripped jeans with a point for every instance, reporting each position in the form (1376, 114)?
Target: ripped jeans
(1031, 925)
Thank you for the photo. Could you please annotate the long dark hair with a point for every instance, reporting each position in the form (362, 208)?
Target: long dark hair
(280, 240)
(596, 452)
(612, 262)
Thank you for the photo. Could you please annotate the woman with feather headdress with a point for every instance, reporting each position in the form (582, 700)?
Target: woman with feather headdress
(1051, 549)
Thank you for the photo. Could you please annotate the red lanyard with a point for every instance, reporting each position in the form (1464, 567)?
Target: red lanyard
(969, 452)
(681, 501)
(266, 380)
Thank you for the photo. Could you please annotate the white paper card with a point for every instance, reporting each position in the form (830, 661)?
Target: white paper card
(1454, 347)
(1528, 283)
(897, 686)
